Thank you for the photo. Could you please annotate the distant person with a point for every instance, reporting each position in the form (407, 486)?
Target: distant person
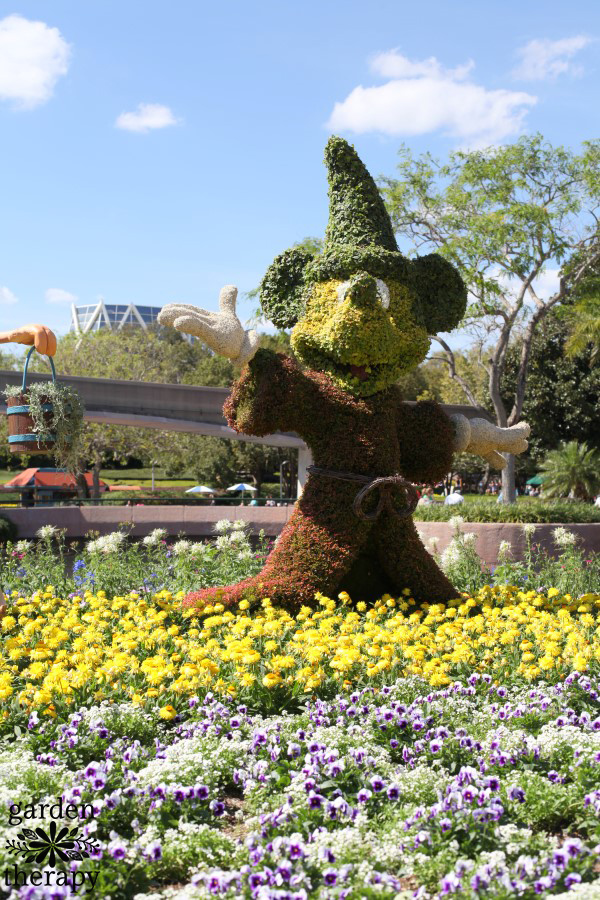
(427, 498)
(454, 499)
(597, 501)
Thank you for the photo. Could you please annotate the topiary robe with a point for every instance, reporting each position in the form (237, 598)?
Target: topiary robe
(325, 547)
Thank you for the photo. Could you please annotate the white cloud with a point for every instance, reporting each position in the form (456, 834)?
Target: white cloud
(7, 296)
(57, 295)
(147, 117)
(422, 97)
(544, 59)
(33, 56)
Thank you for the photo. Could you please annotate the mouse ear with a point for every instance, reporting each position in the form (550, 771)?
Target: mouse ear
(442, 292)
(282, 288)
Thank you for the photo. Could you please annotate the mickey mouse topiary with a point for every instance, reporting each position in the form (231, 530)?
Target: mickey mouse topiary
(361, 315)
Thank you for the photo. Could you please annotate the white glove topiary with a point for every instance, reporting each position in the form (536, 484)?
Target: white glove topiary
(486, 439)
(222, 331)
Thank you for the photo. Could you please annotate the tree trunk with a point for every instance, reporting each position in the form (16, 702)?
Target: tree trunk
(509, 490)
(96, 479)
(82, 488)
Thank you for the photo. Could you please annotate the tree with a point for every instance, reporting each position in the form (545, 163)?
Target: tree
(573, 470)
(562, 401)
(584, 318)
(505, 216)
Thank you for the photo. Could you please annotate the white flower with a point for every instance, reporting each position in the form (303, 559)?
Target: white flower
(529, 529)
(239, 525)
(223, 526)
(452, 554)
(23, 546)
(107, 543)
(223, 542)
(155, 537)
(433, 544)
(455, 521)
(198, 548)
(564, 538)
(182, 548)
(46, 532)
(505, 548)
(469, 538)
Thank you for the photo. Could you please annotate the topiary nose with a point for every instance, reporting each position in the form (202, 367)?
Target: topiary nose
(362, 290)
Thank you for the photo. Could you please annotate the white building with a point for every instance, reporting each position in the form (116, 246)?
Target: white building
(113, 316)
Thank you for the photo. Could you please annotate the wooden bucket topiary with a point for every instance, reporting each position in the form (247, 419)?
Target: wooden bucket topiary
(22, 436)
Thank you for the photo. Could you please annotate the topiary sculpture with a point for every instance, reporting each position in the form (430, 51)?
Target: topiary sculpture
(361, 314)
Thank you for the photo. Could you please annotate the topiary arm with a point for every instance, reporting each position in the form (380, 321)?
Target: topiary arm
(426, 439)
(40, 336)
(488, 440)
(269, 396)
(222, 331)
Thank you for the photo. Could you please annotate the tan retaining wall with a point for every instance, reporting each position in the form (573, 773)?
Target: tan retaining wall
(198, 521)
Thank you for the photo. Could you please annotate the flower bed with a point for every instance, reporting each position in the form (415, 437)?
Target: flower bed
(344, 752)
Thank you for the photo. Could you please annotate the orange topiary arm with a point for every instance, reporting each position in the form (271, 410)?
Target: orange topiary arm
(43, 339)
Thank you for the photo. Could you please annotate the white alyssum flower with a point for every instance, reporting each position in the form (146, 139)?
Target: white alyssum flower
(529, 529)
(455, 521)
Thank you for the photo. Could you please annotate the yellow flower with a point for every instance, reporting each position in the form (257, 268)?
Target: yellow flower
(167, 712)
(271, 679)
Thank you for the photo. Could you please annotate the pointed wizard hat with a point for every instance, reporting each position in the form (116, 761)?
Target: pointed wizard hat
(360, 238)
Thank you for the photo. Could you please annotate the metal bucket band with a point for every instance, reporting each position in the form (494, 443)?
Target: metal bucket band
(20, 410)
(28, 438)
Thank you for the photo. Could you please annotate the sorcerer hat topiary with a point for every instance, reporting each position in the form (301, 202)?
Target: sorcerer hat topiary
(359, 238)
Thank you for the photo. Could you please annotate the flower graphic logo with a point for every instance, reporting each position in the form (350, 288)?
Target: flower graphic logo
(49, 846)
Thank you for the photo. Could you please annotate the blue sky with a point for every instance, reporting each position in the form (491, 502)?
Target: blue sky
(152, 152)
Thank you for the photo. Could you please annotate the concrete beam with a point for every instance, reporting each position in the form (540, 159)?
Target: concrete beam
(176, 407)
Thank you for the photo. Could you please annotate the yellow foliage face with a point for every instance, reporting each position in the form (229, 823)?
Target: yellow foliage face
(149, 651)
(363, 346)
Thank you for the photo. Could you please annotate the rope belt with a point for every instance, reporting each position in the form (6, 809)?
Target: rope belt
(386, 486)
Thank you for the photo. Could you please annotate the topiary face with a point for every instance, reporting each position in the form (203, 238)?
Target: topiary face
(362, 312)
(364, 332)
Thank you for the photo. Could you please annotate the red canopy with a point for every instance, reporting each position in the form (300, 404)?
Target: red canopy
(42, 479)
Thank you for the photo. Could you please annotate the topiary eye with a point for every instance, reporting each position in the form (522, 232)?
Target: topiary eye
(383, 292)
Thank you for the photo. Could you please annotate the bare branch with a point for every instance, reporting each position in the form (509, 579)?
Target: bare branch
(450, 360)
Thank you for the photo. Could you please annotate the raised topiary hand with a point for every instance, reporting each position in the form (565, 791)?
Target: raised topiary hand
(222, 331)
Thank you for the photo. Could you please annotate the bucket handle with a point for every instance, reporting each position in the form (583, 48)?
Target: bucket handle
(28, 357)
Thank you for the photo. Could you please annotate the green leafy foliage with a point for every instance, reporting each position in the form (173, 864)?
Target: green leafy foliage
(573, 470)
(487, 509)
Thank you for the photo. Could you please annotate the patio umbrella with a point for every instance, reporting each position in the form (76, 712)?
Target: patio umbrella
(200, 489)
(242, 487)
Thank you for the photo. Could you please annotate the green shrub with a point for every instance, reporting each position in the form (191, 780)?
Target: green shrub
(526, 509)
(8, 530)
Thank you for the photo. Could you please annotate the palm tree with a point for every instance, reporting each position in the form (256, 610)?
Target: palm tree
(573, 470)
